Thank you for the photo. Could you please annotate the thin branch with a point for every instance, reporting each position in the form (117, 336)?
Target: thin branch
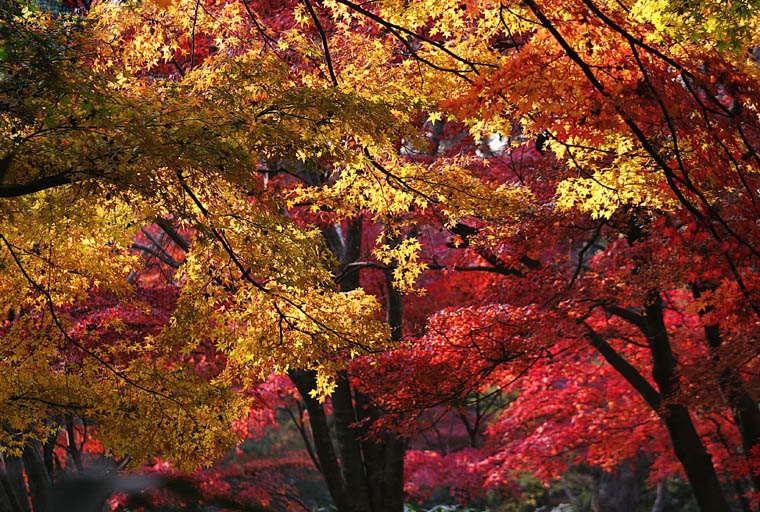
(582, 254)
(192, 37)
(627, 315)
(323, 37)
(17, 398)
(165, 258)
(626, 369)
(168, 228)
(397, 29)
(157, 242)
(301, 427)
(358, 265)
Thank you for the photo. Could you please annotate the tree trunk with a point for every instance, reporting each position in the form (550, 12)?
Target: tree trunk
(349, 447)
(742, 404)
(696, 461)
(374, 452)
(393, 475)
(393, 489)
(13, 482)
(305, 381)
(38, 479)
(688, 447)
(352, 465)
(362, 475)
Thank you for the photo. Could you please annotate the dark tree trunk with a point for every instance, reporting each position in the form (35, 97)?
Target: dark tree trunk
(48, 455)
(72, 448)
(688, 447)
(696, 461)
(305, 381)
(38, 479)
(393, 488)
(8, 502)
(742, 404)
(374, 452)
(352, 464)
(393, 474)
(362, 475)
(13, 482)
(5, 502)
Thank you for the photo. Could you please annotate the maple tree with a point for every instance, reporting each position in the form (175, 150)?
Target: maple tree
(612, 224)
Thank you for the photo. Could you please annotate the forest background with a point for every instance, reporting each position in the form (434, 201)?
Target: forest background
(494, 254)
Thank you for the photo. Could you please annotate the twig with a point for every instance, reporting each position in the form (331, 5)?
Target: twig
(323, 37)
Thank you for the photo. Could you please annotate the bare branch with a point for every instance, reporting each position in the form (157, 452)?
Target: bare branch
(323, 37)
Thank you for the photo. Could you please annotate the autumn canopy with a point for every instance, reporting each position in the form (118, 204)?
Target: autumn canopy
(532, 222)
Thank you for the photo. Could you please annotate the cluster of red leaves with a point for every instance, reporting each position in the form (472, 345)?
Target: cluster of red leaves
(239, 486)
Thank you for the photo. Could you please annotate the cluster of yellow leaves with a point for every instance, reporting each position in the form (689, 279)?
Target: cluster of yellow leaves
(280, 309)
(66, 244)
(731, 27)
(136, 148)
(625, 177)
(141, 408)
(404, 258)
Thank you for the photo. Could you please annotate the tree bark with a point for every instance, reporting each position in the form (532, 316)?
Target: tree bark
(393, 480)
(362, 475)
(393, 474)
(352, 465)
(688, 447)
(742, 404)
(349, 447)
(373, 451)
(13, 483)
(38, 479)
(305, 381)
